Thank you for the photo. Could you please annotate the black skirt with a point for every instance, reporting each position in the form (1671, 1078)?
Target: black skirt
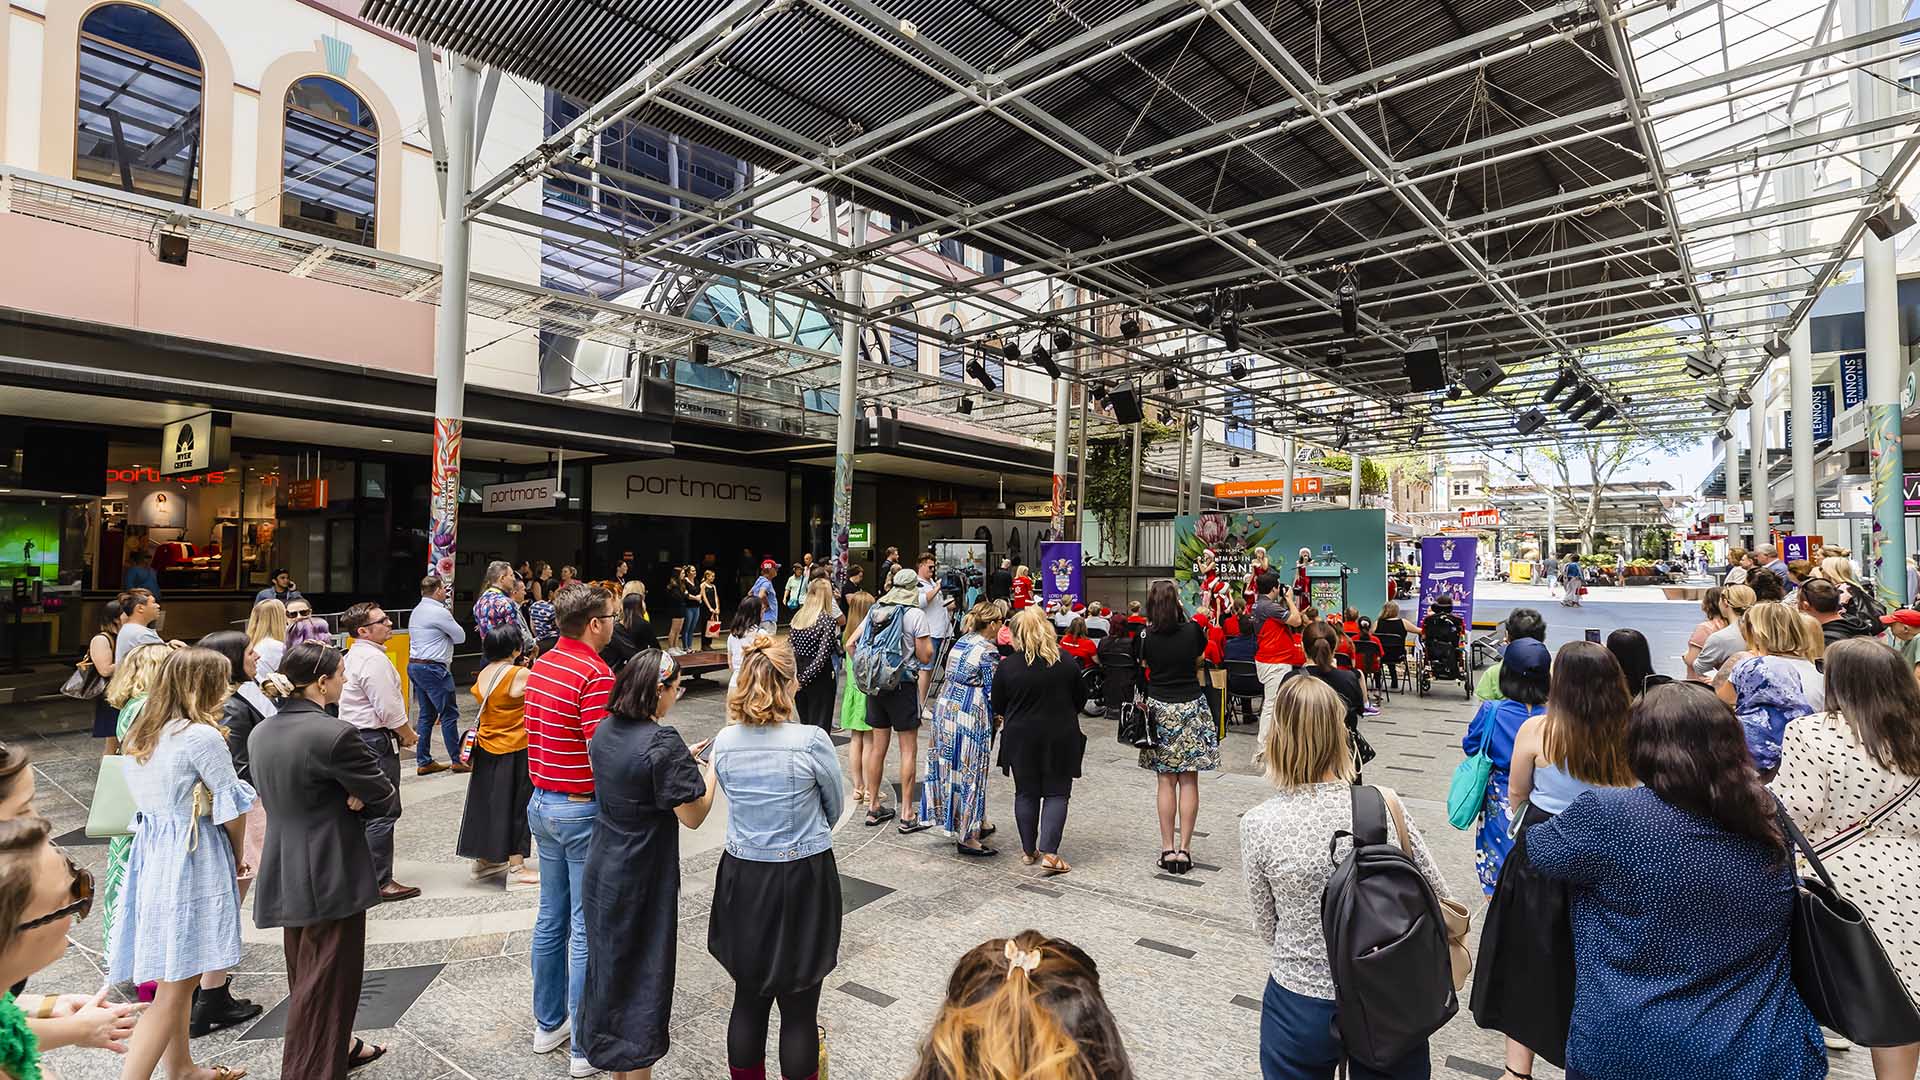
(106, 719)
(776, 925)
(1523, 977)
(494, 824)
(817, 702)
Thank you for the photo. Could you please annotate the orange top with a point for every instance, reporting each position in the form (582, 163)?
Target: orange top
(502, 725)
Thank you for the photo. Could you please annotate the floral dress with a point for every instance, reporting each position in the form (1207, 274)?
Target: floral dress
(1771, 691)
(954, 795)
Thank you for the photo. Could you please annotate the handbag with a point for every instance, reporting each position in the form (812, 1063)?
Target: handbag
(1839, 966)
(112, 810)
(1136, 727)
(1469, 788)
(85, 684)
(1452, 912)
(713, 628)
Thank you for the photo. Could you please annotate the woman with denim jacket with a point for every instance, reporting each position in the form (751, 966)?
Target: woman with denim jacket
(776, 897)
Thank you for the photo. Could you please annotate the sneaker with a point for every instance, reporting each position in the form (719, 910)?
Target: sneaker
(484, 869)
(545, 1042)
(459, 768)
(429, 769)
(579, 1067)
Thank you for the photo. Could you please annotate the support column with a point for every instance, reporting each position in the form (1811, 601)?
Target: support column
(1730, 450)
(1062, 404)
(1199, 461)
(1872, 99)
(450, 325)
(1289, 448)
(1793, 186)
(852, 293)
(1353, 481)
(1133, 501)
(1080, 469)
(1551, 547)
(1757, 470)
(1179, 472)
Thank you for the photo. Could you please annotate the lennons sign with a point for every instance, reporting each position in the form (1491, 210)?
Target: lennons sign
(680, 488)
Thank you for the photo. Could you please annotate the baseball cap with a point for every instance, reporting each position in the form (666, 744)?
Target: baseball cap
(1903, 616)
(764, 563)
(1527, 659)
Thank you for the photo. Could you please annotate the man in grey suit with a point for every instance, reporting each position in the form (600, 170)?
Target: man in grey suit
(316, 777)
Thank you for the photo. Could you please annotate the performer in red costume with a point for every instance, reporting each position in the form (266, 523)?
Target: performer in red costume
(1251, 591)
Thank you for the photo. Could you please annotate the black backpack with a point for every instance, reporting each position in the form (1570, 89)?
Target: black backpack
(1386, 943)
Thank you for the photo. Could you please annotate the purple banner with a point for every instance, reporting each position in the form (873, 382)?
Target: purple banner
(1793, 548)
(1447, 567)
(1060, 574)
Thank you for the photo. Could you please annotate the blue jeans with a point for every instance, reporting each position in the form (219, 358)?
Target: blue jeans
(563, 829)
(696, 621)
(434, 696)
(1298, 1042)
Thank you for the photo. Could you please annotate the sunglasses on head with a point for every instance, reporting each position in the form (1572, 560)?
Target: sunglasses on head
(82, 893)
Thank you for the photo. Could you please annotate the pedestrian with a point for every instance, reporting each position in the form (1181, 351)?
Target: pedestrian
(179, 914)
(1525, 682)
(1021, 593)
(1289, 847)
(432, 633)
(495, 606)
(127, 691)
(1682, 896)
(1903, 635)
(140, 574)
(316, 778)
(648, 785)
(1572, 582)
(310, 628)
(794, 591)
(1077, 644)
(1713, 622)
(1038, 693)
(1857, 760)
(100, 658)
(267, 634)
(539, 614)
(710, 605)
(695, 613)
(1392, 629)
(566, 695)
(677, 605)
(136, 628)
(493, 823)
(1187, 742)
(856, 582)
(896, 713)
(1319, 640)
(1519, 623)
(746, 626)
(1629, 647)
(1024, 1006)
(1000, 582)
(279, 587)
(815, 638)
(1275, 621)
(371, 702)
(1737, 564)
(1773, 685)
(633, 634)
(764, 590)
(937, 623)
(299, 609)
(960, 735)
(775, 924)
(1523, 980)
(1725, 643)
(889, 562)
(853, 703)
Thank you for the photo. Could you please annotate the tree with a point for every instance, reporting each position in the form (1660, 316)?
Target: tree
(1373, 474)
(1110, 484)
(1656, 542)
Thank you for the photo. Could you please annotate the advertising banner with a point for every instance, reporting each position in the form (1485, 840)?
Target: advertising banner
(538, 494)
(1853, 379)
(676, 487)
(1822, 413)
(1061, 577)
(1447, 567)
(1793, 547)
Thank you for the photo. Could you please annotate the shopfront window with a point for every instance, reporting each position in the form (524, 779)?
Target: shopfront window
(216, 531)
(139, 108)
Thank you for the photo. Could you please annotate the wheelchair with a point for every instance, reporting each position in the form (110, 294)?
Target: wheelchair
(1441, 662)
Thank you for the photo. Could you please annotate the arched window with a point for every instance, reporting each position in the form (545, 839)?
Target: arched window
(903, 341)
(139, 107)
(953, 362)
(331, 161)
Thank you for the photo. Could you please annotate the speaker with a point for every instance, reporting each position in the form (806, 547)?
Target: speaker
(1482, 376)
(1530, 421)
(1426, 370)
(1125, 404)
(1890, 221)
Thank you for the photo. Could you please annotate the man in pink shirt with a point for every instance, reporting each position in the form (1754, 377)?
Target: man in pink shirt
(567, 693)
(371, 701)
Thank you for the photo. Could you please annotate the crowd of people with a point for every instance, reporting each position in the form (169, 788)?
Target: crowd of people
(1621, 816)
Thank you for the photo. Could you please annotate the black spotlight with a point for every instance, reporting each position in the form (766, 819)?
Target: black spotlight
(1129, 326)
(1743, 400)
(1340, 439)
(1561, 382)
(1592, 402)
(966, 406)
(1530, 421)
(1891, 220)
(1724, 435)
(1349, 307)
(1233, 461)
(1045, 359)
(1203, 312)
(1237, 369)
(1606, 413)
(1454, 392)
(979, 372)
(1580, 390)
(1169, 381)
(1062, 341)
(1230, 330)
(1011, 350)
(1336, 356)
(1100, 391)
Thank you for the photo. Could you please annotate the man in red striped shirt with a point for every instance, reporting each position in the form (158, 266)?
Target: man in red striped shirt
(567, 694)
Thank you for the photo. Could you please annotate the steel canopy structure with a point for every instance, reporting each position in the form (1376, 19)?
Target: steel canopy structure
(1582, 185)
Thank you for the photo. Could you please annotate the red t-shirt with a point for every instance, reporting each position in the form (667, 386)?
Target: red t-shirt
(567, 694)
(1022, 592)
(1079, 647)
(1278, 643)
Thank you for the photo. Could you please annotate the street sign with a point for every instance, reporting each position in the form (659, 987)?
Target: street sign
(860, 534)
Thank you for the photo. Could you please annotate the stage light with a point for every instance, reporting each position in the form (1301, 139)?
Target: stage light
(1716, 403)
(1062, 341)
(1454, 392)
(1230, 330)
(1336, 356)
(1237, 369)
(1725, 435)
(1169, 381)
(1776, 346)
(1011, 350)
(1586, 407)
(1606, 413)
(1530, 421)
(966, 406)
(1100, 391)
(1892, 219)
(1743, 400)
(1045, 360)
(1340, 440)
(979, 371)
(1233, 461)
(1580, 390)
(1561, 383)
(1129, 326)
(1349, 306)
(1203, 312)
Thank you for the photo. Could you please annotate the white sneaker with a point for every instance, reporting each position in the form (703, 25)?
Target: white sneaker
(545, 1042)
(579, 1067)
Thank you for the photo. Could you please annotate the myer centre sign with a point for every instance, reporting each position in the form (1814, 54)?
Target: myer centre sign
(674, 487)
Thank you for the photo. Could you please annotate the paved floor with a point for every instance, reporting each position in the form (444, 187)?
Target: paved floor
(1182, 968)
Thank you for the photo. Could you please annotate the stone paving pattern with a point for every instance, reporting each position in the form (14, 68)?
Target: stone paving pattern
(1181, 966)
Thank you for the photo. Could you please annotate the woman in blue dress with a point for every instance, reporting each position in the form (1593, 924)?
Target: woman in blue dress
(954, 794)
(1682, 907)
(1523, 688)
(179, 911)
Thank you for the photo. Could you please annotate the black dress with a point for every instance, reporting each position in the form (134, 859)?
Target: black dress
(1042, 745)
(631, 891)
(1523, 977)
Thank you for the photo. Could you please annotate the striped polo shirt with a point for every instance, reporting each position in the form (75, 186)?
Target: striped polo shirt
(567, 694)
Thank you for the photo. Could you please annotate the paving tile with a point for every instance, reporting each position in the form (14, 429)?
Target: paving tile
(1170, 950)
(385, 996)
(79, 838)
(856, 893)
(1474, 1068)
(1178, 880)
(1041, 889)
(867, 994)
(1246, 1002)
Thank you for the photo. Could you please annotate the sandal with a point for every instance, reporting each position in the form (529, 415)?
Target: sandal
(1185, 862)
(354, 1058)
(908, 828)
(986, 831)
(981, 852)
(1054, 865)
(1516, 1075)
(227, 1072)
(1164, 864)
(879, 817)
(525, 875)
(1028, 858)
